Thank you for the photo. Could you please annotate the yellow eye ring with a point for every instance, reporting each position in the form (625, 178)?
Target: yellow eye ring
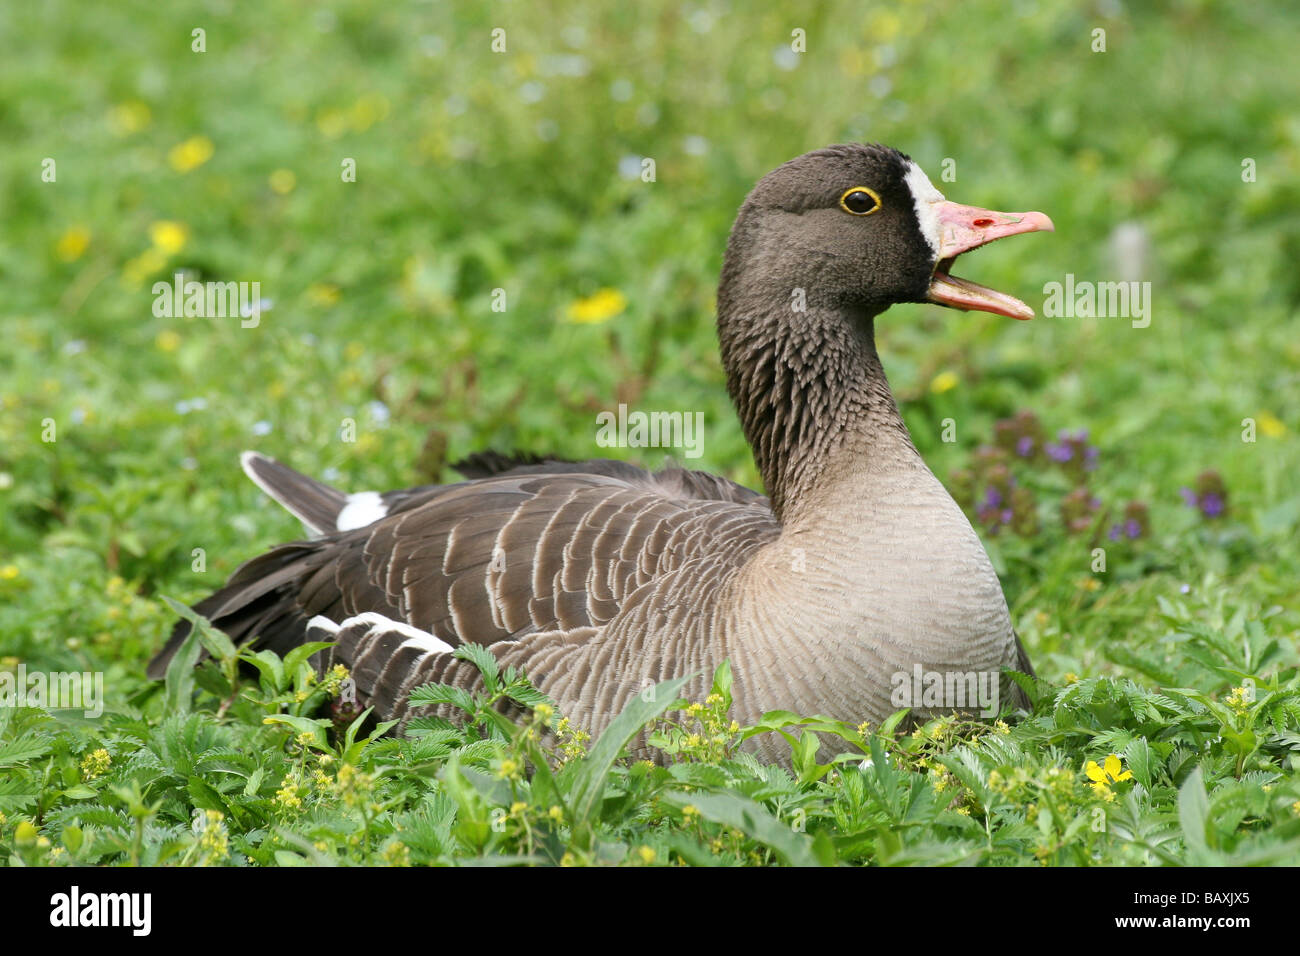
(859, 212)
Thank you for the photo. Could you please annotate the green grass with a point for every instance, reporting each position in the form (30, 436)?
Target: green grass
(479, 171)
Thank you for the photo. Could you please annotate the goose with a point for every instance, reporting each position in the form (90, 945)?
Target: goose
(855, 575)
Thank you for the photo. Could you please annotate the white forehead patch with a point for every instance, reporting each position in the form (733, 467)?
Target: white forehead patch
(924, 196)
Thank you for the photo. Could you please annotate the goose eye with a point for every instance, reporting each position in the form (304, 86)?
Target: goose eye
(860, 201)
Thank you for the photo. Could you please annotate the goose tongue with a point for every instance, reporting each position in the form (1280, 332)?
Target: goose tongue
(963, 228)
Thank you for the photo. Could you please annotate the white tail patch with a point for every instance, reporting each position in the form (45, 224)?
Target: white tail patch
(376, 624)
(322, 626)
(363, 508)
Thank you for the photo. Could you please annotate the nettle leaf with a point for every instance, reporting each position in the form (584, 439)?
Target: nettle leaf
(430, 695)
(1138, 757)
(23, 749)
(484, 660)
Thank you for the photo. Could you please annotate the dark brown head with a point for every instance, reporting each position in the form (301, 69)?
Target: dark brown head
(821, 246)
(862, 227)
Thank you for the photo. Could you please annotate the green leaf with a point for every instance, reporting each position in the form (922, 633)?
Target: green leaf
(722, 684)
(1193, 813)
(433, 694)
(179, 679)
(19, 751)
(1138, 756)
(752, 819)
(72, 838)
(588, 784)
(484, 660)
(299, 655)
(269, 666)
(304, 725)
(213, 640)
(205, 796)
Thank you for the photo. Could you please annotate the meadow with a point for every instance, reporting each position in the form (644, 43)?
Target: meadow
(389, 181)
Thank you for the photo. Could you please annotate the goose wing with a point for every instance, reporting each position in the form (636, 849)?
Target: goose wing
(541, 547)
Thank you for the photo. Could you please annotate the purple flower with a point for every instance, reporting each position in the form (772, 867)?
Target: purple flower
(1058, 453)
(992, 498)
(1209, 496)
(1025, 446)
(1132, 528)
(1114, 533)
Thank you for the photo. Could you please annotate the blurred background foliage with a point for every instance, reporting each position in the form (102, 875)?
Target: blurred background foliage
(519, 170)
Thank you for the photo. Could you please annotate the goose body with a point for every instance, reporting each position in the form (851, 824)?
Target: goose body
(599, 579)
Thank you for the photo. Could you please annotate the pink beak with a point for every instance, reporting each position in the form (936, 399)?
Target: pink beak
(963, 228)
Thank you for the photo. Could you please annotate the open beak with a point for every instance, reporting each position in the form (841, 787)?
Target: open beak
(963, 228)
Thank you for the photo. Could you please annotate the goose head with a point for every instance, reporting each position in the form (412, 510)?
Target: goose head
(821, 246)
(861, 227)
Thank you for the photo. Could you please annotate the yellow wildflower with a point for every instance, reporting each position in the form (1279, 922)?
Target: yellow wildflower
(191, 154)
(1106, 774)
(1270, 424)
(168, 341)
(332, 123)
(129, 117)
(9, 572)
(647, 854)
(214, 839)
(136, 270)
(322, 293)
(283, 181)
(72, 244)
(25, 833)
(168, 237)
(1240, 700)
(396, 853)
(287, 796)
(95, 764)
(367, 111)
(599, 307)
(944, 382)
